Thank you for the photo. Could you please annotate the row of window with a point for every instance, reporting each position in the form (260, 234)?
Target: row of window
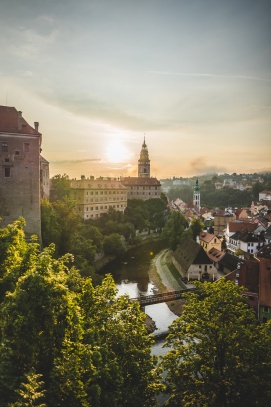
(144, 188)
(26, 148)
(96, 208)
(104, 199)
(143, 193)
(105, 192)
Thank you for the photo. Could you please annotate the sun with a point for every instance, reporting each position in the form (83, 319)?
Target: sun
(116, 152)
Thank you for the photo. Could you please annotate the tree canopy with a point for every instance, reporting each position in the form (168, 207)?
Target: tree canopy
(219, 355)
(64, 342)
(174, 229)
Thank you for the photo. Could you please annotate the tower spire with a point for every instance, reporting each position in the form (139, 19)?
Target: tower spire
(144, 161)
(196, 194)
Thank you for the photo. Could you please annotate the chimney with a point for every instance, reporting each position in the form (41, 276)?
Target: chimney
(36, 124)
(20, 121)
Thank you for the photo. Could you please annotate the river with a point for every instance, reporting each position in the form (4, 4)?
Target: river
(131, 277)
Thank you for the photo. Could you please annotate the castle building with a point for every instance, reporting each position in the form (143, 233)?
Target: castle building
(20, 146)
(196, 195)
(144, 186)
(95, 196)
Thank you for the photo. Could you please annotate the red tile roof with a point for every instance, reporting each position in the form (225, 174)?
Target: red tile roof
(243, 226)
(207, 237)
(215, 255)
(9, 122)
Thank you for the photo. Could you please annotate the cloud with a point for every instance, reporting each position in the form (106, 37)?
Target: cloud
(84, 160)
(100, 110)
(210, 75)
(198, 166)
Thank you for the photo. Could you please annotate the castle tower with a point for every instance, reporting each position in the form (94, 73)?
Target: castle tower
(196, 195)
(144, 162)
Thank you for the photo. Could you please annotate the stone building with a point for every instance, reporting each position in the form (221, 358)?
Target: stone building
(192, 262)
(20, 146)
(221, 220)
(95, 196)
(144, 186)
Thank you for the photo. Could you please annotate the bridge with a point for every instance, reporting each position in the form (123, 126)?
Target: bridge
(162, 297)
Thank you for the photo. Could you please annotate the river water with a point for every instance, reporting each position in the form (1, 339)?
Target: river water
(131, 277)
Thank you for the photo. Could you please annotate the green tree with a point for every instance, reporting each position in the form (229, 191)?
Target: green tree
(218, 353)
(157, 213)
(60, 222)
(89, 347)
(174, 229)
(136, 214)
(30, 393)
(60, 187)
(196, 227)
(106, 359)
(114, 245)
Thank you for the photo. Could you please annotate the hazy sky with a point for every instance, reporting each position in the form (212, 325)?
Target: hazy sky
(194, 76)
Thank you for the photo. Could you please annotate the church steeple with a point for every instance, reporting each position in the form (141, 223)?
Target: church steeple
(144, 162)
(196, 195)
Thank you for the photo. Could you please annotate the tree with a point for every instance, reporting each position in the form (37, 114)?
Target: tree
(174, 228)
(106, 359)
(31, 393)
(196, 227)
(218, 353)
(114, 245)
(63, 220)
(64, 339)
(60, 187)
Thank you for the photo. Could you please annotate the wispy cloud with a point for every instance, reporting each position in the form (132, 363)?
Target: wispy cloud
(210, 75)
(199, 166)
(84, 160)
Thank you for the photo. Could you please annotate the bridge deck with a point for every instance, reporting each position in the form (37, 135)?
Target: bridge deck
(162, 297)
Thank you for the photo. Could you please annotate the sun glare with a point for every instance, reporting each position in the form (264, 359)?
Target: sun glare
(116, 152)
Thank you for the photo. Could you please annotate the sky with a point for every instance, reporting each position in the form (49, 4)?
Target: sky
(192, 76)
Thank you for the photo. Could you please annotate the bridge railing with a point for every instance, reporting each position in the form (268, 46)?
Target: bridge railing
(162, 297)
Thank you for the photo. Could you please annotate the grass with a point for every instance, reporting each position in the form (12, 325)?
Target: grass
(174, 271)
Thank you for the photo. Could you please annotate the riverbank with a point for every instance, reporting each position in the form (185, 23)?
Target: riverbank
(161, 276)
(107, 259)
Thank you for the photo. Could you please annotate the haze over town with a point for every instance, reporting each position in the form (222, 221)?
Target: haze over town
(193, 76)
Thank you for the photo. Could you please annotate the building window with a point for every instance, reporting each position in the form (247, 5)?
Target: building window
(4, 147)
(6, 160)
(26, 147)
(7, 172)
(266, 309)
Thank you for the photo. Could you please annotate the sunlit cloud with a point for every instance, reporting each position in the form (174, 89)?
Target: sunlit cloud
(84, 160)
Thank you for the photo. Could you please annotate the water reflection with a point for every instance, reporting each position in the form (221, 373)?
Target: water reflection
(131, 277)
